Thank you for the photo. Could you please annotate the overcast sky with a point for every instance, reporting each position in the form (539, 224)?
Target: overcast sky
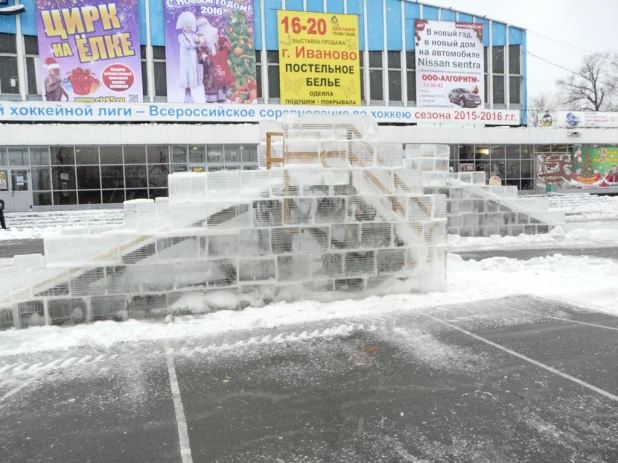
(590, 25)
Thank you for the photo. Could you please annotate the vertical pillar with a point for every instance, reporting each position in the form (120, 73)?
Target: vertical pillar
(507, 71)
(404, 57)
(264, 66)
(22, 79)
(149, 56)
(366, 56)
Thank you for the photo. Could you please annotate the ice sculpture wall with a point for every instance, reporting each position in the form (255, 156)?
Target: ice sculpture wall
(342, 219)
(475, 208)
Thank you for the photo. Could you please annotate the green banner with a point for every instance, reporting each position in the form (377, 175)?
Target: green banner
(594, 165)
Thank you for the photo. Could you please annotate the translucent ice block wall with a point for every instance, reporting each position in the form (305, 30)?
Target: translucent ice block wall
(342, 219)
(475, 208)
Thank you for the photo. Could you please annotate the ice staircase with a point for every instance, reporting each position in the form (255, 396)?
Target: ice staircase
(340, 219)
(475, 208)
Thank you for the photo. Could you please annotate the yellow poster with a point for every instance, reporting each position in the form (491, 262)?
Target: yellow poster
(4, 184)
(318, 58)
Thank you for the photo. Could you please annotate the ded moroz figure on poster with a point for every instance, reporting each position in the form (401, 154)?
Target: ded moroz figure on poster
(214, 51)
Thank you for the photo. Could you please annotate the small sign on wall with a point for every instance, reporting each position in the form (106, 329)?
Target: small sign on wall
(4, 183)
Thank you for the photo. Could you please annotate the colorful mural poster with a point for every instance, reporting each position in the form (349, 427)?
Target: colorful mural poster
(90, 50)
(319, 59)
(210, 52)
(594, 165)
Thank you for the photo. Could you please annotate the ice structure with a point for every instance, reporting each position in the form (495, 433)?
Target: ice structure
(343, 218)
(475, 208)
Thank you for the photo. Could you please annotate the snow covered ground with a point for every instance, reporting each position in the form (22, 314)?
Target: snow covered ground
(584, 282)
(36, 225)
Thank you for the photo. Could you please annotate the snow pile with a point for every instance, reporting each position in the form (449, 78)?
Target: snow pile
(585, 282)
(557, 238)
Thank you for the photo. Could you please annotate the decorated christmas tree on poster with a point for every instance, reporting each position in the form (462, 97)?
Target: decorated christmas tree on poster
(242, 58)
(585, 168)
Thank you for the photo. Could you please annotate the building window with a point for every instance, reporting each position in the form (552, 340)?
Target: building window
(272, 58)
(411, 75)
(111, 154)
(498, 89)
(112, 177)
(142, 52)
(258, 72)
(135, 176)
(485, 76)
(160, 76)
(41, 178)
(9, 84)
(71, 175)
(32, 65)
(18, 156)
(515, 77)
(515, 59)
(158, 154)
(497, 67)
(376, 86)
(87, 155)
(88, 178)
(39, 156)
(361, 71)
(135, 154)
(197, 155)
(394, 76)
(497, 164)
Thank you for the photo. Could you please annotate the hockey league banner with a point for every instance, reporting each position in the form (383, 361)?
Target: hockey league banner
(90, 51)
(40, 111)
(449, 64)
(210, 51)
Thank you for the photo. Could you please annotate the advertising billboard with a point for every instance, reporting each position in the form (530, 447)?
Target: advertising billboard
(210, 52)
(89, 51)
(319, 61)
(449, 64)
(577, 119)
(594, 165)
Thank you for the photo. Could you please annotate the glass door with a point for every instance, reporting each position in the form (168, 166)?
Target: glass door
(20, 190)
(4, 189)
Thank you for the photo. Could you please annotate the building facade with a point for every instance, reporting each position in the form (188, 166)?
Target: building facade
(386, 42)
(100, 163)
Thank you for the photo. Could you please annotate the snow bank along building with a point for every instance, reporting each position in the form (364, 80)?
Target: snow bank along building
(101, 99)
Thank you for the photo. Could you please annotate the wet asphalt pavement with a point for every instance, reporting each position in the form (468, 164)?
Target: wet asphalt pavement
(514, 379)
(526, 254)
(10, 248)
